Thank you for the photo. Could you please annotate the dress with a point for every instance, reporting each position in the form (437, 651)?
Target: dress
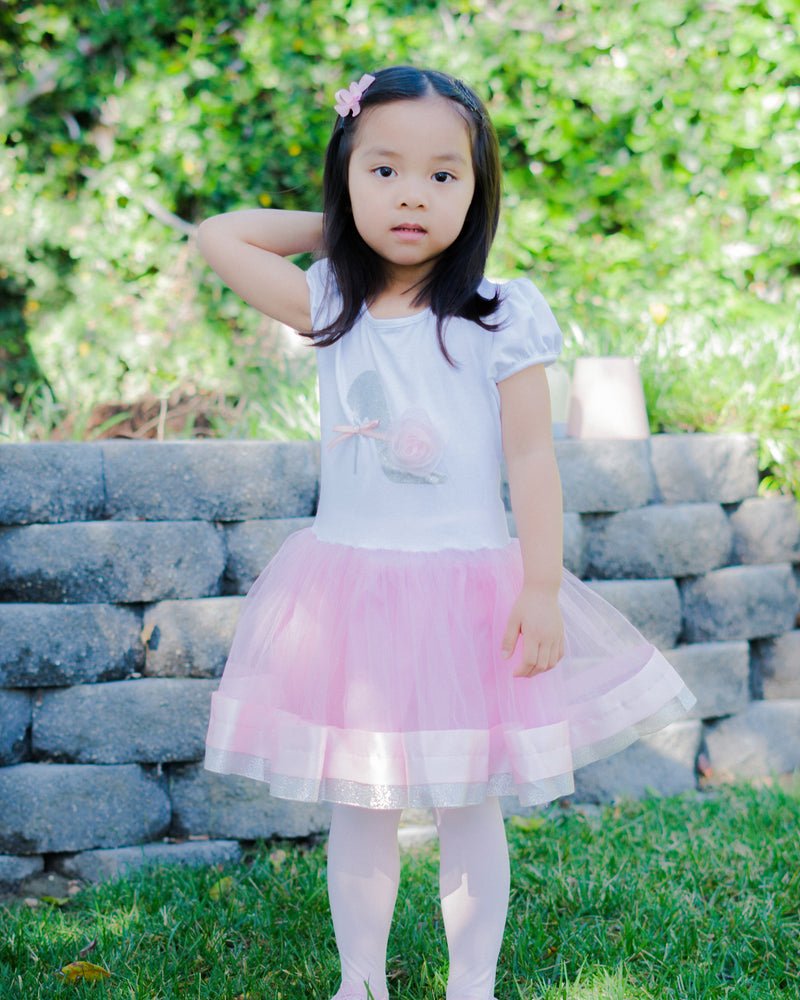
(366, 667)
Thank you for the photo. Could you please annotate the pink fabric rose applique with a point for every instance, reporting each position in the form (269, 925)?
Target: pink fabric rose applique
(414, 444)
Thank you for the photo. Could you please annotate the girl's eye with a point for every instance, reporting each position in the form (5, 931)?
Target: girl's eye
(442, 177)
(383, 171)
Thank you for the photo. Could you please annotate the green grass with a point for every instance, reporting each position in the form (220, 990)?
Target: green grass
(680, 898)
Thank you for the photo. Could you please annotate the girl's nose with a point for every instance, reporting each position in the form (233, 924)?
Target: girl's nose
(412, 196)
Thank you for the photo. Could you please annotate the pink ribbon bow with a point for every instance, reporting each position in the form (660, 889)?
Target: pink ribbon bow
(350, 100)
(366, 430)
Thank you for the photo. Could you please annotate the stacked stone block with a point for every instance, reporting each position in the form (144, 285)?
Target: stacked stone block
(123, 567)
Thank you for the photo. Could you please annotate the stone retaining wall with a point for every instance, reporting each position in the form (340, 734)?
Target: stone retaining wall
(123, 566)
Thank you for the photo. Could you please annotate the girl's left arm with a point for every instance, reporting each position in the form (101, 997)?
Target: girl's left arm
(536, 502)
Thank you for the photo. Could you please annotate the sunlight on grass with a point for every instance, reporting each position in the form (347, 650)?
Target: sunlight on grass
(693, 898)
(598, 984)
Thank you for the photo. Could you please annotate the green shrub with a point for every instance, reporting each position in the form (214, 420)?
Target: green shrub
(651, 190)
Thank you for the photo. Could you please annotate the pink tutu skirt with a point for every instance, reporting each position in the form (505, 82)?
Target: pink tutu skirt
(375, 678)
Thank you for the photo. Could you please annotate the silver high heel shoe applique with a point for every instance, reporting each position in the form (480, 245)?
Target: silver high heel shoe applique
(409, 449)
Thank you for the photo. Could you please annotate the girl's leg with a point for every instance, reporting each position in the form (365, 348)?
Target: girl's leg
(474, 883)
(363, 875)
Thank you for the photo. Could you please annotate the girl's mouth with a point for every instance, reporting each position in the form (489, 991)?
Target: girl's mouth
(408, 231)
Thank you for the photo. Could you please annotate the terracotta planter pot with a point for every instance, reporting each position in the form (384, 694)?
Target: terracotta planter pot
(607, 400)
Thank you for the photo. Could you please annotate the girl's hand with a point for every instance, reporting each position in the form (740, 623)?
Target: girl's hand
(535, 616)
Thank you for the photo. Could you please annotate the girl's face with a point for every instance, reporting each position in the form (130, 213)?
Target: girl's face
(411, 182)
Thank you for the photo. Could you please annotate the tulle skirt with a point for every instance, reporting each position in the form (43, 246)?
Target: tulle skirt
(375, 678)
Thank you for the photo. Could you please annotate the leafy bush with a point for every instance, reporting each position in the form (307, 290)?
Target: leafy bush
(652, 186)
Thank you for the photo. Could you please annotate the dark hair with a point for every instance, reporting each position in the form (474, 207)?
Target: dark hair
(451, 288)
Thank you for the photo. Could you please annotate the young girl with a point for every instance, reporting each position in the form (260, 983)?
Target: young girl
(404, 651)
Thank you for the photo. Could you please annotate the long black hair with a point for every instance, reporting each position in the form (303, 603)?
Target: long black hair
(451, 288)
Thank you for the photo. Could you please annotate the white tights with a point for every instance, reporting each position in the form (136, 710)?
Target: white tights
(363, 875)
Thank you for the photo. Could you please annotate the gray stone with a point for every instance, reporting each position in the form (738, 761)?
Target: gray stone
(55, 808)
(15, 721)
(110, 561)
(604, 476)
(766, 530)
(190, 638)
(49, 645)
(102, 865)
(574, 541)
(739, 602)
(14, 870)
(662, 763)
(251, 545)
(659, 541)
(210, 480)
(692, 468)
(50, 482)
(759, 742)
(230, 806)
(652, 606)
(151, 720)
(776, 666)
(717, 674)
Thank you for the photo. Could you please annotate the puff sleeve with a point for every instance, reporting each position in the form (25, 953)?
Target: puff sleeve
(528, 333)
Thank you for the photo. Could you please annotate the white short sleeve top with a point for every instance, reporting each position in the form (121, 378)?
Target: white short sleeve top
(411, 445)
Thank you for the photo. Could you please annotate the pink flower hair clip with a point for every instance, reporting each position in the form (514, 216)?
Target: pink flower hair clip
(349, 100)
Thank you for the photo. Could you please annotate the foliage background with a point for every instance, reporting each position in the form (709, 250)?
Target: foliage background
(652, 190)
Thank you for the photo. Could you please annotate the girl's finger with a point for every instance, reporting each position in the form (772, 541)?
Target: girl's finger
(543, 657)
(530, 659)
(545, 661)
(510, 637)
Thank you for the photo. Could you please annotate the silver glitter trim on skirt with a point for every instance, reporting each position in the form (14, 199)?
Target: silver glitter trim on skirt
(441, 795)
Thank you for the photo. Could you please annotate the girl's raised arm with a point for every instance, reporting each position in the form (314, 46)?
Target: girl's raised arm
(248, 250)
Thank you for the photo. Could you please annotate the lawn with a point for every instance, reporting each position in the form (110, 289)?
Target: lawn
(690, 897)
